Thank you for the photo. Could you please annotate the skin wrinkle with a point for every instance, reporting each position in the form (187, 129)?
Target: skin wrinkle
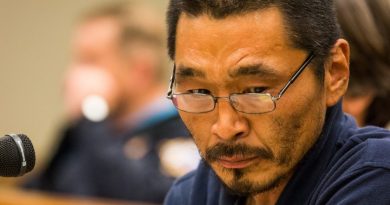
(264, 74)
(229, 60)
(253, 73)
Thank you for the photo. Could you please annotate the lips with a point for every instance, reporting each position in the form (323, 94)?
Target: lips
(236, 162)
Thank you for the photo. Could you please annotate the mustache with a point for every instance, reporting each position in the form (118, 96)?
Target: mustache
(229, 150)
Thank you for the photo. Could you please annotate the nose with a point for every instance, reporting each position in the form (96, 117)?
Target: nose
(230, 124)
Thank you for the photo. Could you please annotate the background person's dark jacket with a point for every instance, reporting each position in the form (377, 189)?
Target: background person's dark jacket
(92, 161)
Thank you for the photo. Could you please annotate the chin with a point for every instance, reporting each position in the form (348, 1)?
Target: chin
(245, 182)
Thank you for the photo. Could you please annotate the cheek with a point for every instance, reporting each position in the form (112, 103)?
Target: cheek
(280, 134)
(199, 126)
(298, 131)
(292, 128)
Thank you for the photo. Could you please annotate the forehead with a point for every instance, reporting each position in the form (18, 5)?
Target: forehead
(257, 37)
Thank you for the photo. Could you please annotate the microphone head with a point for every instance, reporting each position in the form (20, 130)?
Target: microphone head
(17, 155)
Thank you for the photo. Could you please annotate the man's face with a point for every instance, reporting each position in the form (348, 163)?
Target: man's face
(250, 153)
(96, 42)
(99, 66)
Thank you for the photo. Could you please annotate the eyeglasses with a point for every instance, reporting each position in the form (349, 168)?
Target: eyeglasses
(250, 103)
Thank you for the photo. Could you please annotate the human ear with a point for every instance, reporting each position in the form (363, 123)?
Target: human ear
(337, 72)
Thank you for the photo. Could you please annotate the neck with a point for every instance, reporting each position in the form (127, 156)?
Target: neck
(134, 104)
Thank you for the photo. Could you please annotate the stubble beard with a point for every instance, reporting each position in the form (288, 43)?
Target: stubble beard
(244, 187)
(238, 182)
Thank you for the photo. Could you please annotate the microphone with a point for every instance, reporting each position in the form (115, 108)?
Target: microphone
(17, 155)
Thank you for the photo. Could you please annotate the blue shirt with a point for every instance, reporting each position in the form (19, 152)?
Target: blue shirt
(347, 165)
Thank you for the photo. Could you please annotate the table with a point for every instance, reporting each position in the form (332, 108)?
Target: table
(14, 196)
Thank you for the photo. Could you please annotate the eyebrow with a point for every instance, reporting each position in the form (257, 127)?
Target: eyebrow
(260, 70)
(185, 72)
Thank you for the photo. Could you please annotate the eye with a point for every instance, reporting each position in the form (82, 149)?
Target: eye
(255, 90)
(199, 91)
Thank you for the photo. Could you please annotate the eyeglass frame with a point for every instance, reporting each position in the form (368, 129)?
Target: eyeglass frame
(297, 73)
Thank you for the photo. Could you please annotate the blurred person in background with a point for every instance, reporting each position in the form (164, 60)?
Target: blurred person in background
(366, 26)
(125, 139)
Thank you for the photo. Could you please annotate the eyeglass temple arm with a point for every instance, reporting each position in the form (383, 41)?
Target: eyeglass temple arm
(296, 74)
(171, 81)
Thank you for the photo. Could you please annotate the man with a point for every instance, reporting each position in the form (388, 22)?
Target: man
(258, 84)
(118, 58)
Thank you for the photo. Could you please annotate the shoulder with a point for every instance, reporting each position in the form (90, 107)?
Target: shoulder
(170, 127)
(373, 146)
(367, 147)
(180, 191)
(198, 187)
(160, 127)
(360, 170)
